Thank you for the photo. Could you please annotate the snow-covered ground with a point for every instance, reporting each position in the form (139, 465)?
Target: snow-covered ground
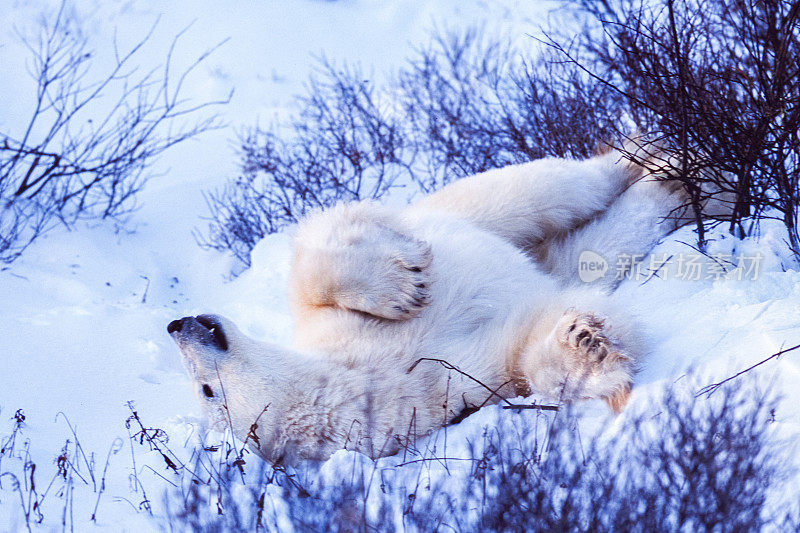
(83, 313)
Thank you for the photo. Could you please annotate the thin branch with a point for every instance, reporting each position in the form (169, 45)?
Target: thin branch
(708, 390)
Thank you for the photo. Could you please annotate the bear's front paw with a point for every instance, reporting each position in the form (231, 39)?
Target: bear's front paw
(597, 365)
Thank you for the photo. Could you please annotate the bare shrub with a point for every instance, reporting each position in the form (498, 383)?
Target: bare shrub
(700, 466)
(343, 146)
(713, 86)
(462, 105)
(685, 464)
(91, 135)
(53, 497)
(707, 465)
(475, 103)
(705, 92)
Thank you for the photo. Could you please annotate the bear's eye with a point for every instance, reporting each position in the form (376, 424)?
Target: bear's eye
(208, 392)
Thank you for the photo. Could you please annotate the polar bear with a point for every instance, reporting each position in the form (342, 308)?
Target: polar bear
(405, 318)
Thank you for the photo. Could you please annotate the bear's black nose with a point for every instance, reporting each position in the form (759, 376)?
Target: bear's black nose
(174, 326)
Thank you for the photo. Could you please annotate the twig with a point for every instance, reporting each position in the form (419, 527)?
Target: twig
(116, 446)
(153, 470)
(710, 389)
(18, 488)
(508, 405)
(538, 407)
(146, 288)
(239, 461)
(79, 448)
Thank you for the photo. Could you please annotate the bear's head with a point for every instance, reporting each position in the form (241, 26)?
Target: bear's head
(286, 404)
(205, 346)
(232, 375)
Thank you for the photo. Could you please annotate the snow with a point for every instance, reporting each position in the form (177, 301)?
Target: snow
(84, 312)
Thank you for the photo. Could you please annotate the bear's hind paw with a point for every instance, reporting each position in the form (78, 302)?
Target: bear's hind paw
(402, 292)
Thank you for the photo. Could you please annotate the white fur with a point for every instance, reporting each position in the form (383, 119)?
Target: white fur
(374, 290)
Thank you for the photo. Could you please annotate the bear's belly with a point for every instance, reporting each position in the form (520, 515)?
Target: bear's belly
(483, 295)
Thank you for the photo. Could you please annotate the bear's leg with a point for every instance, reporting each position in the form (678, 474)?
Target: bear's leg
(580, 356)
(647, 211)
(358, 257)
(529, 202)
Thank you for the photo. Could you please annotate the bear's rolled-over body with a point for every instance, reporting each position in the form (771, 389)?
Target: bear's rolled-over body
(405, 318)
